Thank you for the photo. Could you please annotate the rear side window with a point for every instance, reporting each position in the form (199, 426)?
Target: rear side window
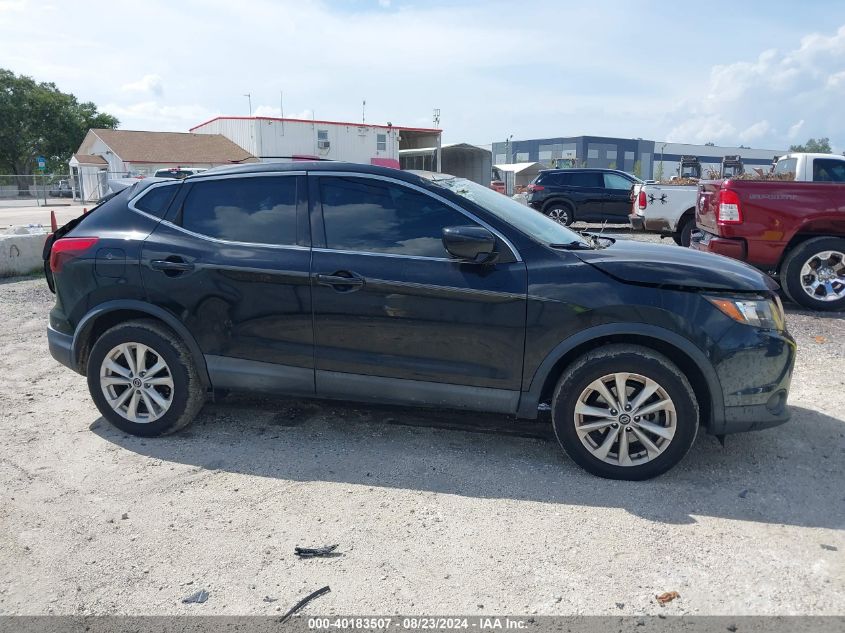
(365, 215)
(258, 210)
(827, 170)
(156, 200)
(586, 179)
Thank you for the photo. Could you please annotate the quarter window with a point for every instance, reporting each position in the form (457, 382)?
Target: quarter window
(156, 200)
(260, 210)
(366, 215)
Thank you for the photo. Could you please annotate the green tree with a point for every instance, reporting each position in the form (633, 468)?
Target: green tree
(37, 119)
(821, 146)
(638, 169)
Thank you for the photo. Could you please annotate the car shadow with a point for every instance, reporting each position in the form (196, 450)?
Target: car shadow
(792, 474)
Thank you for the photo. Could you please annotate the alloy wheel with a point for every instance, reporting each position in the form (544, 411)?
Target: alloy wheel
(823, 276)
(625, 419)
(136, 382)
(559, 215)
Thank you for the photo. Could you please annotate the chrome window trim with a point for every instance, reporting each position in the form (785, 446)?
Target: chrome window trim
(448, 203)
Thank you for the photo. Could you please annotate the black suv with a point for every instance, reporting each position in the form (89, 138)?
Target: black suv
(356, 282)
(587, 195)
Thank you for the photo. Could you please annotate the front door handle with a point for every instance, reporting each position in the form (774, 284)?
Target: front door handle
(341, 280)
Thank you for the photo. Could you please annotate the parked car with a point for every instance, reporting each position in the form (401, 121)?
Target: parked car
(357, 282)
(61, 189)
(587, 195)
(178, 172)
(793, 230)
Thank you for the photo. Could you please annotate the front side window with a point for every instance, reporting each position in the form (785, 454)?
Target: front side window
(258, 210)
(381, 142)
(373, 216)
(615, 181)
(827, 170)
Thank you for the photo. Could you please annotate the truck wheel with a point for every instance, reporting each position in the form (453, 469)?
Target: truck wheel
(143, 379)
(813, 274)
(683, 236)
(560, 212)
(625, 412)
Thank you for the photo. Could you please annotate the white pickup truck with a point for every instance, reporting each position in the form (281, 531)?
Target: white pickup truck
(669, 209)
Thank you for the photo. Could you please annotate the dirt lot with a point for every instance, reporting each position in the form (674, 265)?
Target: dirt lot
(490, 519)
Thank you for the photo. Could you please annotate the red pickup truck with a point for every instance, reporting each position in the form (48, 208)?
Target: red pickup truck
(793, 230)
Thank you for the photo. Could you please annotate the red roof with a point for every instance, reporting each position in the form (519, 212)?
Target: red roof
(272, 118)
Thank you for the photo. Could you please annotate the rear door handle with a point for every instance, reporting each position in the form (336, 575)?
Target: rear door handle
(173, 265)
(341, 280)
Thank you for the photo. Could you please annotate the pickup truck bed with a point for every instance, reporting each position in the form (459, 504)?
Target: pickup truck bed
(792, 230)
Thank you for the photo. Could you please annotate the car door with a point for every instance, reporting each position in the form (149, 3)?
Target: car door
(587, 189)
(232, 263)
(395, 318)
(617, 198)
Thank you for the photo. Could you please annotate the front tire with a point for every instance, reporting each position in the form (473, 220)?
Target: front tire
(813, 274)
(637, 436)
(683, 236)
(143, 379)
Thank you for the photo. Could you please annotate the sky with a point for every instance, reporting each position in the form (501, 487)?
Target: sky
(761, 74)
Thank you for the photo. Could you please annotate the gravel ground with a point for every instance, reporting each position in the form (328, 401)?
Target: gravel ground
(491, 518)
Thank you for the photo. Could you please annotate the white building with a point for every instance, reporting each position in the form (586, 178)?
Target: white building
(278, 139)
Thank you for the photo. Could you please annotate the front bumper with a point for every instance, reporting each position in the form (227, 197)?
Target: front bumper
(734, 248)
(61, 347)
(755, 378)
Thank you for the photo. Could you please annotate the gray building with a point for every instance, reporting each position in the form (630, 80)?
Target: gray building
(648, 159)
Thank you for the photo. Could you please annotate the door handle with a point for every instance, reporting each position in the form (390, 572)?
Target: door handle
(341, 280)
(174, 265)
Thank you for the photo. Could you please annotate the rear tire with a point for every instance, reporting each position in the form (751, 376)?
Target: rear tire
(592, 425)
(813, 274)
(561, 212)
(143, 379)
(683, 236)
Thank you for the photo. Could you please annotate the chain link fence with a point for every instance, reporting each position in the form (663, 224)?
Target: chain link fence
(30, 190)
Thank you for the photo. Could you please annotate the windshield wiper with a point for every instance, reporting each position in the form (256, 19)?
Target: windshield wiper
(574, 245)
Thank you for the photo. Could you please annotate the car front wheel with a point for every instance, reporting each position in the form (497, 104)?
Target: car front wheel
(143, 379)
(625, 412)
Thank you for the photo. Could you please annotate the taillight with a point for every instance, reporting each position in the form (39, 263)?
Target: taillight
(641, 200)
(728, 211)
(532, 188)
(67, 248)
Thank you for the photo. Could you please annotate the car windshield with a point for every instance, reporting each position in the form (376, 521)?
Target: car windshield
(521, 217)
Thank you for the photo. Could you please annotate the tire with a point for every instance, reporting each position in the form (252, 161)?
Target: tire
(177, 385)
(561, 212)
(820, 260)
(683, 236)
(678, 422)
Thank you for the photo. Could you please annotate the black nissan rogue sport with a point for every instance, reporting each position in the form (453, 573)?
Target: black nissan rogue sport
(356, 282)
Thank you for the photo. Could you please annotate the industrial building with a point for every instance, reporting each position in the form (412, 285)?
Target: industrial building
(280, 139)
(644, 158)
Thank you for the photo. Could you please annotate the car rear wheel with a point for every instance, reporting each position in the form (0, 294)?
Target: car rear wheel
(683, 236)
(625, 412)
(143, 379)
(813, 274)
(561, 213)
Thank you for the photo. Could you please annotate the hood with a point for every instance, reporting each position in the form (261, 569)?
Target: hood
(659, 265)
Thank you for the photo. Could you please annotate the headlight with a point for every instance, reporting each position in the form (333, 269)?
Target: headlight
(762, 313)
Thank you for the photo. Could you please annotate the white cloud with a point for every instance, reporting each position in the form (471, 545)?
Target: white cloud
(385, 4)
(152, 115)
(761, 100)
(148, 83)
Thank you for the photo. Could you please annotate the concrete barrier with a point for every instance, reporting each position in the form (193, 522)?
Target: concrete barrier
(20, 250)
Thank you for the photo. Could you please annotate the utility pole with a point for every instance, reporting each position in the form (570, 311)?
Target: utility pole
(439, 136)
(364, 111)
(249, 97)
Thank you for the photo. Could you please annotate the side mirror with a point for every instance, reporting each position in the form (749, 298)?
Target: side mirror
(470, 244)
